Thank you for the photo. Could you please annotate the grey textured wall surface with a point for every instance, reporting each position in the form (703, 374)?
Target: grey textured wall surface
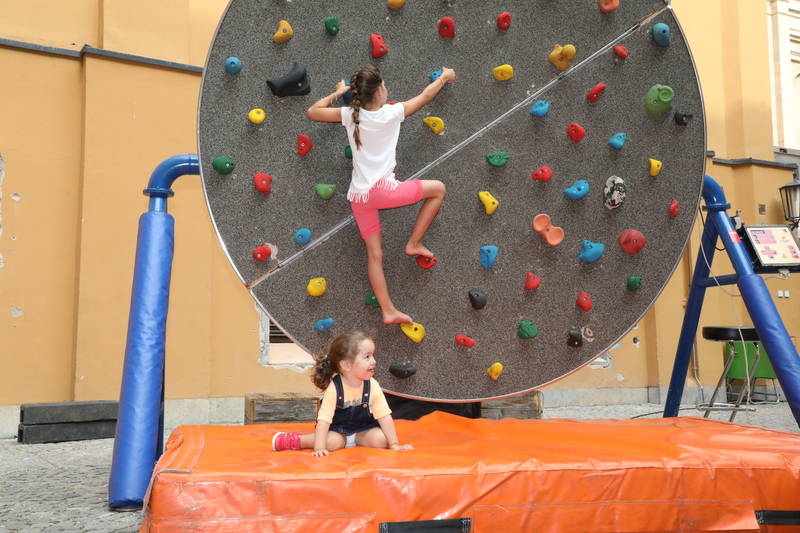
(482, 115)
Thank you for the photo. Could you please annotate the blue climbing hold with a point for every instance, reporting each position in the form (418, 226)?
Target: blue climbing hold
(488, 256)
(324, 325)
(591, 251)
(578, 191)
(302, 236)
(661, 34)
(540, 108)
(346, 97)
(618, 140)
(435, 75)
(233, 65)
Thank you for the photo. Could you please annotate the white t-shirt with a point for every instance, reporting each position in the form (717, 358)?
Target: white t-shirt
(374, 162)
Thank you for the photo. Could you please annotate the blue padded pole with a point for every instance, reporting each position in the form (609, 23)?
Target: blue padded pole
(137, 443)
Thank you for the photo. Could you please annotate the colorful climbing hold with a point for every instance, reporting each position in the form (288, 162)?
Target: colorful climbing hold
(574, 338)
(490, 203)
(588, 334)
(371, 300)
(575, 132)
(495, 370)
(578, 190)
(284, 32)
(317, 286)
(632, 241)
(262, 182)
(552, 234)
(303, 144)
(504, 21)
(634, 282)
(607, 6)
(596, 91)
(463, 340)
(295, 83)
(540, 108)
(402, 370)
(379, 48)
(435, 75)
(659, 100)
(262, 253)
(233, 65)
(562, 55)
(396, 4)
(426, 262)
(614, 192)
(617, 141)
(332, 26)
(348, 96)
(303, 236)
(503, 72)
(325, 191)
(543, 173)
(488, 256)
(434, 123)
(674, 208)
(324, 325)
(447, 27)
(591, 251)
(532, 281)
(497, 159)
(478, 299)
(526, 330)
(655, 166)
(348, 152)
(621, 51)
(682, 119)
(223, 165)
(584, 301)
(414, 331)
(256, 116)
(661, 34)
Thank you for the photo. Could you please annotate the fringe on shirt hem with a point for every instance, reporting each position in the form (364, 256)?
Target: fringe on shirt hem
(363, 197)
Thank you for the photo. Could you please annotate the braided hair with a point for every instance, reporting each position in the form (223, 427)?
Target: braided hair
(343, 348)
(364, 83)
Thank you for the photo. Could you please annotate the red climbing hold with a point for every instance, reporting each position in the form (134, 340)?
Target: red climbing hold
(543, 173)
(447, 27)
(674, 208)
(262, 182)
(632, 241)
(621, 51)
(504, 20)
(532, 281)
(595, 93)
(584, 301)
(262, 253)
(607, 6)
(426, 262)
(303, 144)
(379, 48)
(575, 132)
(463, 340)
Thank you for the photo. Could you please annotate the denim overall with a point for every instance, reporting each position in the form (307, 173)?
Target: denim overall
(354, 419)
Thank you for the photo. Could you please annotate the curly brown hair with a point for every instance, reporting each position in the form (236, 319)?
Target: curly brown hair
(343, 348)
(364, 83)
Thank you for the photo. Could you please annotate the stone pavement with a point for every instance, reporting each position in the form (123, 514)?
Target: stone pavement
(62, 488)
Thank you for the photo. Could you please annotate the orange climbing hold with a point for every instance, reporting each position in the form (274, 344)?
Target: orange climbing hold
(607, 6)
(396, 4)
(284, 32)
(552, 234)
(379, 48)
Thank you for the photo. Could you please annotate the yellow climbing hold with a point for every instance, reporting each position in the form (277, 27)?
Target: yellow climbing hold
(284, 32)
(396, 4)
(489, 201)
(655, 166)
(495, 370)
(317, 286)
(414, 331)
(503, 72)
(434, 123)
(562, 55)
(257, 116)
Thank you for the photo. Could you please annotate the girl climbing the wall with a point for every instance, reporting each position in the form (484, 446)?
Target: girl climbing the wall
(354, 411)
(373, 127)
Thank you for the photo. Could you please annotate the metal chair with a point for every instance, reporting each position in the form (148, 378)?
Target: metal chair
(763, 370)
(730, 336)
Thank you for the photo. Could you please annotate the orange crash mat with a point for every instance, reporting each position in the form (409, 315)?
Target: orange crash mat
(672, 474)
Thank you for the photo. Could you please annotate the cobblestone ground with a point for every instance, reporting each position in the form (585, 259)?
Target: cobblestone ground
(63, 488)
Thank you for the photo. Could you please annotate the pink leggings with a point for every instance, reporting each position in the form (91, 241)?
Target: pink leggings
(366, 213)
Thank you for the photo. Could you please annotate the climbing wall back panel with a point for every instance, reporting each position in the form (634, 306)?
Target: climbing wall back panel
(482, 115)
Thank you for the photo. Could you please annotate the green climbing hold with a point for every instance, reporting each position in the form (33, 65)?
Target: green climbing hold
(372, 301)
(331, 26)
(223, 165)
(634, 282)
(527, 330)
(497, 159)
(326, 191)
(348, 152)
(659, 100)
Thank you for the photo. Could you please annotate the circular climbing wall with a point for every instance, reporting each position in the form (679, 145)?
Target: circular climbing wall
(483, 116)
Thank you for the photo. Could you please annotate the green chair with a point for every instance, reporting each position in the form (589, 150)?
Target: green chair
(740, 366)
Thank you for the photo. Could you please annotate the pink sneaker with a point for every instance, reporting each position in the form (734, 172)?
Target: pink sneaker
(286, 441)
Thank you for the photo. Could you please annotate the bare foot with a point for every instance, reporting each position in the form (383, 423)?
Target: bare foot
(396, 317)
(418, 249)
